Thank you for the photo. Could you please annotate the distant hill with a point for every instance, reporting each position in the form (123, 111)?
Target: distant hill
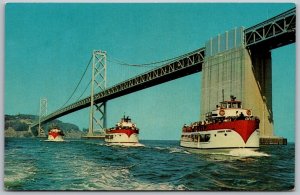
(18, 126)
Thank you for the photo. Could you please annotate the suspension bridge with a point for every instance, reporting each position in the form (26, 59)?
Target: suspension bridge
(249, 48)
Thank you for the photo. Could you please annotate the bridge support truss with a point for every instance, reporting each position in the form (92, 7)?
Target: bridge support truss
(97, 120)
(42, 114)
(275, 32)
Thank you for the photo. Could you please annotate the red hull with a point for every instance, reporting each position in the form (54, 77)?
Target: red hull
(55, 134)
(129, 132)
(243, 127)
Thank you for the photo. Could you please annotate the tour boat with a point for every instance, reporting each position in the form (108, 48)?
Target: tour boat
(229, 126)
(55, 134)
(125, 133)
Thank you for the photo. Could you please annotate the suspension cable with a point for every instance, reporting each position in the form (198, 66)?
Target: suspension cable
(78, 83)
(119, 62)
(116, 61)
(84, 90)
(151, 63)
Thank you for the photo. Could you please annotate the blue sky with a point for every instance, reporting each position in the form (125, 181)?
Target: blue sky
(48, 46)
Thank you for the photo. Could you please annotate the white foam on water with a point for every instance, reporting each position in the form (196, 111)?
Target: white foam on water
(98, 177)
(59, 140)
(159, 148)
(172, 150)
(13, 175)
(245, 152)
(186, 152)
(240, 152)
(125, 144)
(178, 150)
(175, 150)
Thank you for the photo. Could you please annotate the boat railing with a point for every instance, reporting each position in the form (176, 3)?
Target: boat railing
(202, 125)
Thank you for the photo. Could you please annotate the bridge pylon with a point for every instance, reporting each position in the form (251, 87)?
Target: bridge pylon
(43, 113)
(97, 118)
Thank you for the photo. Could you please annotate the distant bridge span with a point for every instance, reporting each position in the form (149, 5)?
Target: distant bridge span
(272, 33)
(189, 64)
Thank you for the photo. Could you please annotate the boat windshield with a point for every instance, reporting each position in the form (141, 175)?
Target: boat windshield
(230, 104)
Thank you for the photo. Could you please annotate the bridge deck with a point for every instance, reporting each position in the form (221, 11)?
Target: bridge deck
(275, 32)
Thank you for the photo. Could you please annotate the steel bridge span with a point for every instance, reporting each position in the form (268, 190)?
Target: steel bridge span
(270, 34)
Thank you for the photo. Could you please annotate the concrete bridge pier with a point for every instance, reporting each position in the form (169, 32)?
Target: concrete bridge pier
(260, 62)
(231, 69)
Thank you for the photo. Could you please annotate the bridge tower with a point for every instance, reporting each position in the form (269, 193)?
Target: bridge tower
(43, 113)
(97, 118)
(231, 69)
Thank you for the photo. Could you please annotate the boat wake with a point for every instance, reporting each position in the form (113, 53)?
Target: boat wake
(246, 153)
(178, 150)
(113, 178)
(126, 144)
(243, 152)
(172, 150)
(55, 140)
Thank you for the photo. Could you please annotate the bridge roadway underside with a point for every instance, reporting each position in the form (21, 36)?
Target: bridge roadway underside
(197, 67)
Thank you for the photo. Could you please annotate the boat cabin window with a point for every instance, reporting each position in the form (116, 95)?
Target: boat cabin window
(223, 105)
(231, 105)
(204, 137)
(236, 104)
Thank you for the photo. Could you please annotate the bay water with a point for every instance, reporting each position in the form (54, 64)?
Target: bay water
(90, 165)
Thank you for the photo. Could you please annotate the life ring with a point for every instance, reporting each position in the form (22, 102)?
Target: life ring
(248, 112)
(222, 112)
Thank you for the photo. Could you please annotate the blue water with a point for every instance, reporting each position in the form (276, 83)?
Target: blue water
(32, 164)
